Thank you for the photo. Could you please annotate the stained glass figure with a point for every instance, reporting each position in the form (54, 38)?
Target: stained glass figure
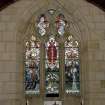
(42, 25)
(52, 68)
(32, 66)
(61, 24)
(72, 66)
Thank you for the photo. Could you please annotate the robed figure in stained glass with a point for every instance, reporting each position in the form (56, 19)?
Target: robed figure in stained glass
(61, 23)
(32, 66)
(42, 25)
(72, 79)
(52, 68)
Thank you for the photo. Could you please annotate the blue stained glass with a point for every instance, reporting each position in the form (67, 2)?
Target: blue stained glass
(32, 66)
(72, 67)
(61, 24)
(42, 25)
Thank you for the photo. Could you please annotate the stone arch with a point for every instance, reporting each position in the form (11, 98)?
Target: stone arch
(79, 24)
(21, 13)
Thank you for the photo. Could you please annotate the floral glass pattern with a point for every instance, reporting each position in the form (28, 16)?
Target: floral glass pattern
(42, 25)
(72, 66)
(32, 66)
(52, 68)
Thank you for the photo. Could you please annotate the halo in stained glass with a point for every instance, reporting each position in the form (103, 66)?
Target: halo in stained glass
(52, 68)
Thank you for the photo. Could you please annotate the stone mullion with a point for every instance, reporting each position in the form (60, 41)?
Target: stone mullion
(62, 70)
(42, 71)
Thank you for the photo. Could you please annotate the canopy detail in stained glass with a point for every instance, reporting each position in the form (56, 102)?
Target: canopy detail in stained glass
(72, 66)
(32, 66)
(52, 68)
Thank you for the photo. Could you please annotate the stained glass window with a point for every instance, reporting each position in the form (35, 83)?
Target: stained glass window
(61, 23)
(42, 25)
(32, 66)
(52, 25)
(72, 66)
(52, 68)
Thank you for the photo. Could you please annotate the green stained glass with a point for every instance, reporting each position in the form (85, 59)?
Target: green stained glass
(72, 67)
(52, 68)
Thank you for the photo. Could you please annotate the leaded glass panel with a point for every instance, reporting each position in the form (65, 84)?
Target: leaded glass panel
(32, 66)
(61, 23)
(52, 68)
(42, 25)
(72, 66)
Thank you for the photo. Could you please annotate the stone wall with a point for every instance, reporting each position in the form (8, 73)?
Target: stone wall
(90, 21)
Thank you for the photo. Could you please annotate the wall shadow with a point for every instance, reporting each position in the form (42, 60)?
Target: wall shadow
(98, 3)
(5, 3)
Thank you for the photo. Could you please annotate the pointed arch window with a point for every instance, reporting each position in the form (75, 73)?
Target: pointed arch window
(32, 66)
(51, 25)
(72, 66)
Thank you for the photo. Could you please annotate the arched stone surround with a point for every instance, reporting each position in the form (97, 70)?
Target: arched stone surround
(89, 31)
